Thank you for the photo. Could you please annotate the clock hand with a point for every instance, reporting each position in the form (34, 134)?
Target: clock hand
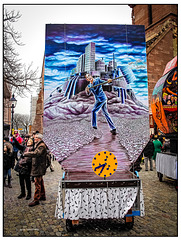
(103, 165)
(99, 166)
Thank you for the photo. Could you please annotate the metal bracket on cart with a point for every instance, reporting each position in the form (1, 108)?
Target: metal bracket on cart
(100, 183)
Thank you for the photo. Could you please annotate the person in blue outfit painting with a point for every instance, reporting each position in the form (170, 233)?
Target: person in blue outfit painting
(100, 101)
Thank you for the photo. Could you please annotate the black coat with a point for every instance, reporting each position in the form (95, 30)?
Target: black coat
(149, 149)
(7, 161)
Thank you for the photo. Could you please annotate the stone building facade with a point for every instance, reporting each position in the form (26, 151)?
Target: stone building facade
(38, 120)
(33, 108)
(6, 109)
(160, 23)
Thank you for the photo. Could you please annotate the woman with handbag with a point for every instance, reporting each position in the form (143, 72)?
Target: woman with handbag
(24, 172)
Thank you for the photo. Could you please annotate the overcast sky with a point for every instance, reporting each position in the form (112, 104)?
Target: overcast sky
(32, 27)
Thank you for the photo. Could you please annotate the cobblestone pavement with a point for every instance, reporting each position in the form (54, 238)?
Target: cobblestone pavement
(160, 211)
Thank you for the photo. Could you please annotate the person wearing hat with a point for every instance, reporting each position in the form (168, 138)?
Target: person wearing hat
(38, 168)
(16, 141)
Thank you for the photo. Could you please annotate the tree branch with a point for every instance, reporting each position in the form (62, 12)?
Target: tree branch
(16, 74)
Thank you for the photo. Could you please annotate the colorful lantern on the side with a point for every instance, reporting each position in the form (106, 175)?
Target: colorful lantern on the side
(165, 98)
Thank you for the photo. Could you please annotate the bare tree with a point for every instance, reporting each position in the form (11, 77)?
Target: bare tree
(16, 75)
(17, 120)
(26, 121)
(22, 120)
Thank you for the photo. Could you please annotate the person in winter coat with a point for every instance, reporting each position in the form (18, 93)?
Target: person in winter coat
(25, 139)
(158, 146)
(24, 172)
(148, 153)
(9, 145)
(38, 168)
(16, 141)
(9, 148)
(7, 163)
(17, 136)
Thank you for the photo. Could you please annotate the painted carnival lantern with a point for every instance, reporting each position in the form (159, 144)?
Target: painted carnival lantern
(116, 52)
(164, 100)
(92, 67)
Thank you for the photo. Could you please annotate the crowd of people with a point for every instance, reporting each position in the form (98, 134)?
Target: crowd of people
(29, 157)
(154, 146)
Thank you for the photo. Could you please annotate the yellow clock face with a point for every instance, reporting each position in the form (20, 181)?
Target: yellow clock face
(104, 164)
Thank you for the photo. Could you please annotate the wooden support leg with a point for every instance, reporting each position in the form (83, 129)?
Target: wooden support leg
(129, 221)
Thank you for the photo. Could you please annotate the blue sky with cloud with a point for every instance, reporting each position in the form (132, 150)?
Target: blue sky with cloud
(65, 44)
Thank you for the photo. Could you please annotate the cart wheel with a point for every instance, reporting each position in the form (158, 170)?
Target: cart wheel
(160, 177)
(69, 225)
(129, 225)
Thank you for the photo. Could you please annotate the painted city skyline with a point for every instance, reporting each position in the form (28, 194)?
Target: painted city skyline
(65, 44)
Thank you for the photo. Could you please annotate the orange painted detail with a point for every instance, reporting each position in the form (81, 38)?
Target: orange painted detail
(129, 219)
(75, 222)
(159, 115)
(170, 108)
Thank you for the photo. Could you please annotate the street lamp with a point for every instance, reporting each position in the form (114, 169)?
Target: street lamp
(13, 102)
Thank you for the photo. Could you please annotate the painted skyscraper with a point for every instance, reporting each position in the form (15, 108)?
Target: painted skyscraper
(100, 66)
(90, 57)
(80, 67)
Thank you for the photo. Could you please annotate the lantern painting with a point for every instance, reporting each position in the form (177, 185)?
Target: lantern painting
(107, 52)
(164, 102)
